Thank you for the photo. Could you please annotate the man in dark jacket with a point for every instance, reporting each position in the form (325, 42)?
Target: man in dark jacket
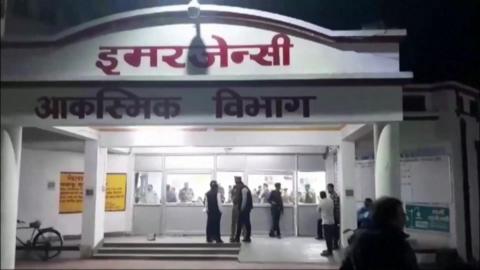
(276, 209)
(245, 207)
(213, 205)
(384, 246)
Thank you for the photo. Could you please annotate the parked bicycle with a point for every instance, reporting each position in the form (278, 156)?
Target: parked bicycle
(46, 243)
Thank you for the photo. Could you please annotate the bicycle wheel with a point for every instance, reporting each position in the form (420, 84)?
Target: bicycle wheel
(47, 243)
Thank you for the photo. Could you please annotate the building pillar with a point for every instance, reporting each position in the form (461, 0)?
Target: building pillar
(346, 172)
(93, 197)
(10, 181)
(387, 162)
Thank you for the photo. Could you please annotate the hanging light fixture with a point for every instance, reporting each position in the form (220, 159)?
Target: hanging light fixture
(193, 9)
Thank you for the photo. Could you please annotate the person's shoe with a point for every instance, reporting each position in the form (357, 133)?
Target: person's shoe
(219, 241)
(209, 241)
(247, 240)
(232, 240)
(271, 234)
(319, 238)
(279, 236)
(326, 253)
(235, 241)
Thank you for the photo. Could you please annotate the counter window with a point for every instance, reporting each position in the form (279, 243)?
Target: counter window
(261, 185)
(226, 181)
(148, 187)
(187, 188)
(309, 186)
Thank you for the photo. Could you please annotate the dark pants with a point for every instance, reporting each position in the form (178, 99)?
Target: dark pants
(329, 233)
(276, 213)
(336, 236)
(319, 229)
(244, 220)
(213, 226)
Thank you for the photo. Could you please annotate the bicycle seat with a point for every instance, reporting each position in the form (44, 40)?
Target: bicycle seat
(36, 224)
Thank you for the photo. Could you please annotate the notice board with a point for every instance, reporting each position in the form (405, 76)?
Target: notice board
(429, 218)
(115, 200)
(71, 192)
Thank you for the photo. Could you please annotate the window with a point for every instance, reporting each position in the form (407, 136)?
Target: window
(187, 188)
(189, 162)
(148, 187)
(226, 181)
(309, 186)
(261, 185)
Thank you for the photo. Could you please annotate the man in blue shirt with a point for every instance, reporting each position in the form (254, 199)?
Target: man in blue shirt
(364, 218)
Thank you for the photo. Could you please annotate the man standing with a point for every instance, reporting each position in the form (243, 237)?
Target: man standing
(151, 197)
(235, 197)
(336, 213)
(276, 208)
(186, 193)
(364, 219)
(246, 206)
(265, 194)
(213, 205)
(171, 196)
(319, 225)
(309, 195)
(326, 209)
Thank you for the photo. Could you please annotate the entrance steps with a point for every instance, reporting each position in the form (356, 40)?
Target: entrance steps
(168, 251)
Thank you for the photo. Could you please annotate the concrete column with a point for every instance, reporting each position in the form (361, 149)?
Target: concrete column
(387, 162)
(377, 128)
(346, 171)
(10, 173)
(93, 197)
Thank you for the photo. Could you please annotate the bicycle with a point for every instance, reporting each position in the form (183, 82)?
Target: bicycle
(47, 243)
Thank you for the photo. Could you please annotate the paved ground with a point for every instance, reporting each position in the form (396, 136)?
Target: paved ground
(262, 253)
(151, 264)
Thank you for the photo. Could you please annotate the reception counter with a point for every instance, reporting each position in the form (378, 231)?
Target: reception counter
(190, 219)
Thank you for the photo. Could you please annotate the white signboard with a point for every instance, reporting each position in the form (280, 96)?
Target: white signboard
(188, 106)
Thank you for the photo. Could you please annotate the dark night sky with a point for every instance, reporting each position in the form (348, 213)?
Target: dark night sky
(443, 40)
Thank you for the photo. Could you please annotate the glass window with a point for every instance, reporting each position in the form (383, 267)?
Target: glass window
(189, 162)
(309, 186)
(187, 188)
(148, 187)
(261, 185)
(226, 182)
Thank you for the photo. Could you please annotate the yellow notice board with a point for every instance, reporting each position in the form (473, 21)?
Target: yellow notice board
(71, 192)
(116, 196)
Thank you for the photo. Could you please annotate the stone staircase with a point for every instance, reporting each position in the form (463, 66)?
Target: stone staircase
(168, 251)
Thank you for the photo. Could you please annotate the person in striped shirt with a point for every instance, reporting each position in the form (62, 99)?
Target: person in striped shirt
(336, 213)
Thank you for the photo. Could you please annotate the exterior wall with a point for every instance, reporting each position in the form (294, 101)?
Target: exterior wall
(36, 201)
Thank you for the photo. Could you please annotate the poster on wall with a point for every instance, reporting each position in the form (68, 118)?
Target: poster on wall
(428, 218)
(115, 200)
(71, 192)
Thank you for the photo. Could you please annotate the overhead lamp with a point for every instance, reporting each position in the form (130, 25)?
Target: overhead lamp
(193, 9)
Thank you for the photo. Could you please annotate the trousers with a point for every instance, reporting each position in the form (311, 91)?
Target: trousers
(213, 226)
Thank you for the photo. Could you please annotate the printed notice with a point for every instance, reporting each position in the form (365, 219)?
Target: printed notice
(71, 192)
(116, 192)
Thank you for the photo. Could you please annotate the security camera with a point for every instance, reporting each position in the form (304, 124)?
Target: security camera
(193, 9)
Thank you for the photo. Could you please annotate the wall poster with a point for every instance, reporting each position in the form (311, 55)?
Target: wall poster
(71, 192)
(116, 195)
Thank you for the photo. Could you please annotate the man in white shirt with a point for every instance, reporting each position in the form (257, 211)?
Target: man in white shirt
(151, 197)
(326, 209)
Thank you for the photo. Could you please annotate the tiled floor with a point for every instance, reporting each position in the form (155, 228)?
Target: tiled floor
(285, 250)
